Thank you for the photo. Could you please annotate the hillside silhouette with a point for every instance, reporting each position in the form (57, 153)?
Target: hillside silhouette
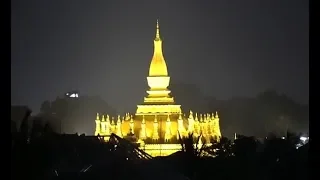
(268, 112)
(76, 115)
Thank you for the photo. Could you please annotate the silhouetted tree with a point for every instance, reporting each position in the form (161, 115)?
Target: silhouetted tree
(222, 148)
(45, 107)
(76, 114)
(24, 128)
(280, 149)
(37, 128)
(191, 145)
(47, 128)
(245, 147)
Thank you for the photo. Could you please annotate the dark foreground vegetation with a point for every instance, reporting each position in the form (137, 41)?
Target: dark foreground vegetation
(43, 154)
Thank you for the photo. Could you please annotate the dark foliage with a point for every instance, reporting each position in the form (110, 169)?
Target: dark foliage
(42, 154)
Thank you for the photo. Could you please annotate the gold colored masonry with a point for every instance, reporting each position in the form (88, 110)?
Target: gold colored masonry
(158, 122)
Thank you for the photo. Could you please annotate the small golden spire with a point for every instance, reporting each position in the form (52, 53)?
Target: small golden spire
(102, 118)
(155, 119)
(168, 118)
(97, 118)
(131, 126)
(217, 115)
(118, 120)
(190, 115)
(143, 120)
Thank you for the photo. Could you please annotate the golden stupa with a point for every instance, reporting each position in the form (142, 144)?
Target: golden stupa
(158, 121)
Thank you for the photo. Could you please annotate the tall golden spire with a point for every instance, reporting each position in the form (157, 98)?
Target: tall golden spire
(158, 66)
(158, 32)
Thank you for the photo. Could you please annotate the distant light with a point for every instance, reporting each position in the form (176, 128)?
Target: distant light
(73, 95)
(55, 171)
(283, 137)
(302, 138)
(303, 141)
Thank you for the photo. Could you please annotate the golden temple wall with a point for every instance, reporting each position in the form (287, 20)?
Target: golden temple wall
(209, 127)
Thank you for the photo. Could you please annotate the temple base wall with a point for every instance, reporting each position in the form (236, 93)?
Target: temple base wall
(161, 149)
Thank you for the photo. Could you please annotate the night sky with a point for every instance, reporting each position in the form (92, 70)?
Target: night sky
(225, 48)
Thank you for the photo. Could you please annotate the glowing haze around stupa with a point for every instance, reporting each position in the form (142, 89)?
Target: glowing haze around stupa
(158, 121)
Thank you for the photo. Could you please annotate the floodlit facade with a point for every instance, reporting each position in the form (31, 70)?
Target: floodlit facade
(158, 121)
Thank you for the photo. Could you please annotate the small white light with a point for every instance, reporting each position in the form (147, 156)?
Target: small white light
(283, 137)
(303, 138)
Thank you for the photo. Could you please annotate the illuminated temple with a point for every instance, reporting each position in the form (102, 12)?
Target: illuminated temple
(158, 121)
